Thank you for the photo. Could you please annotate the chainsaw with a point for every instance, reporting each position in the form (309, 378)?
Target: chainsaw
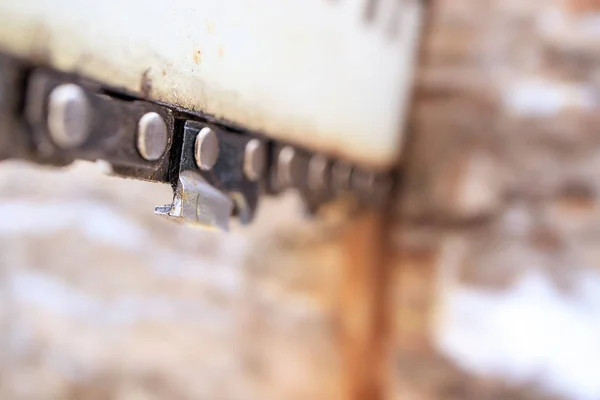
(225, 100)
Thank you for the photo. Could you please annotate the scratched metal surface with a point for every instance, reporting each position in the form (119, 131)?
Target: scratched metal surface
(331, 76)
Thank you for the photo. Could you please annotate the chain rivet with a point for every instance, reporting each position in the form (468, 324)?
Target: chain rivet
(152, 136)
(206, 149)
(68, 116)
(255, 160)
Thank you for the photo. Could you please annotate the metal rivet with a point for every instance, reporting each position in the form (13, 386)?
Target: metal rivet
(318, 168)
(152, 136)
(206, 150)
(341, 174)
(285, 166)
(255, 160)
(363, 181)
(68, 116)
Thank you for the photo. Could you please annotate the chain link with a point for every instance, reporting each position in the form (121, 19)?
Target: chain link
(53, 118)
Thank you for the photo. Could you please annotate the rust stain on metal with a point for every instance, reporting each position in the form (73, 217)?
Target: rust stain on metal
(197, 56)
(146, 84)
(41, 52)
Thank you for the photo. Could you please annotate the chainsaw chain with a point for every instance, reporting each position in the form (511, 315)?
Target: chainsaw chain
(112, 126)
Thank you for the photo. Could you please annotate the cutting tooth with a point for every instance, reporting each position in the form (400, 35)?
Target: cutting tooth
(198, 203)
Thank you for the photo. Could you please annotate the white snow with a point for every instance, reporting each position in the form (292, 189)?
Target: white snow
(95, 220)
(538, 98)
(531, 333)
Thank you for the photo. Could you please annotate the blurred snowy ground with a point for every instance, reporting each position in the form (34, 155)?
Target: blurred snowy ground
(94, 287)
(530, 333)
(101, 299)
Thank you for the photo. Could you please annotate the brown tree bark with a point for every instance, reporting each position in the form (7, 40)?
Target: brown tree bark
(501, 175)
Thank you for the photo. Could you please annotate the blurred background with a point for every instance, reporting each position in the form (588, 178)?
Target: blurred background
(102, 299)
(495, 279)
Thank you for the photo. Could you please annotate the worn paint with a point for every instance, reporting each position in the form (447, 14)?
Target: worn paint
(313, 73)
